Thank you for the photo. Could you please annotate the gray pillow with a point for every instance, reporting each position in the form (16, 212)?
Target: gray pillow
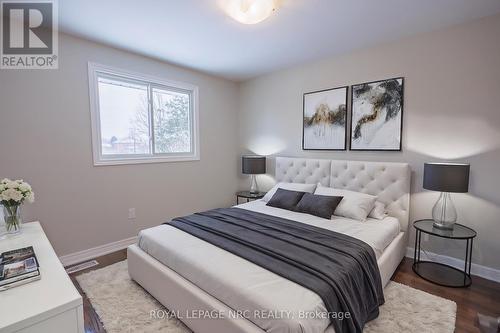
(285, 199)
(318, 205)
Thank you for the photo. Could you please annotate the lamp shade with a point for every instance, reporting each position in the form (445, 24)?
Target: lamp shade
(253, 165)
(446, 177)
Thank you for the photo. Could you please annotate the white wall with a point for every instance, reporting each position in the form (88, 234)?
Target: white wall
(451, 112)
(45, 138)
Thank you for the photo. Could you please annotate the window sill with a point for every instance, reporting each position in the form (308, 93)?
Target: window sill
(145, 160)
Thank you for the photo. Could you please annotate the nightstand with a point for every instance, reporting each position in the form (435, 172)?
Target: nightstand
(441, 274)
(248, 196)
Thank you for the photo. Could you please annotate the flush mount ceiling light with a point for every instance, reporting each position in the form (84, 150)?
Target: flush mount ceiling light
(249, 11)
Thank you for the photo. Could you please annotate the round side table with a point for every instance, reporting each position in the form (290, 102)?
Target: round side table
(441, 274)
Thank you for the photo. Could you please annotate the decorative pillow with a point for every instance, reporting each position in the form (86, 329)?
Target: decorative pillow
(285, 199)
(309, 188)
(354, 205)
(318, 205)
(378, 212)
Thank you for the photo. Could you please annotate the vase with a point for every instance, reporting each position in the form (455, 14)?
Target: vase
(12, 218)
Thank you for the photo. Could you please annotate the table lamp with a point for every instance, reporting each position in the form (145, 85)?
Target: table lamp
(253, 165)
(446, 178)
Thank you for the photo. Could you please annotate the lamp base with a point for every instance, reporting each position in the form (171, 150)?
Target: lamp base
(444, 213)
(254, 188)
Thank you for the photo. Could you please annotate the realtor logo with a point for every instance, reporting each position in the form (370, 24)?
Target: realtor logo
(29, 35)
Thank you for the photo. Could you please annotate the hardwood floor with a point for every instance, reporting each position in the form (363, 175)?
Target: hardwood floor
(483, 296)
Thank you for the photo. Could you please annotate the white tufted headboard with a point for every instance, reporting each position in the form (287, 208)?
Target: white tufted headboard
(389, 181)
(302, 170)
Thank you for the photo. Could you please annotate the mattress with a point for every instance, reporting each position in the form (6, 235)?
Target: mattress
(272, 302)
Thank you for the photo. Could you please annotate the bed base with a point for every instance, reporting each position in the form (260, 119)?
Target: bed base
(179, 295)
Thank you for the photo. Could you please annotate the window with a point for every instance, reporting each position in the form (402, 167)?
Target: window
(139, 119)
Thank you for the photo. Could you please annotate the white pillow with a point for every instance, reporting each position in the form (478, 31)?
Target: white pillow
(378, 212)
(309, 188)
(354, 205)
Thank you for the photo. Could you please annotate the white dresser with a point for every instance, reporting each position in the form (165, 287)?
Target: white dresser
(50, 305)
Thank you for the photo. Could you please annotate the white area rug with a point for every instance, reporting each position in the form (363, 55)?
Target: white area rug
(124, 306)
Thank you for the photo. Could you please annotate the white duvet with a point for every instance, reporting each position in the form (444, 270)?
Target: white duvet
(272, 302)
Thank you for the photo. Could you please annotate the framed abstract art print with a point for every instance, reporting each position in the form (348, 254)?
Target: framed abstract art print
(325, 119)
(377, 115)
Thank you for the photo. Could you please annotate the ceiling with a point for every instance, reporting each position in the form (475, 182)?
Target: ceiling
(197, 33)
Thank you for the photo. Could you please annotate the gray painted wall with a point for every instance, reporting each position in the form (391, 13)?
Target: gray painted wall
(452, 113)
(45, 138)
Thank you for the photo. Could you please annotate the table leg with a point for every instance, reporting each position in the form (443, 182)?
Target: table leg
(466, 261)
(415, 247)
(419, 242)
(470, 254)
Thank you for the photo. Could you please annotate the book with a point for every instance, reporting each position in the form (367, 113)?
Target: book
(20, 282)
(18, 267)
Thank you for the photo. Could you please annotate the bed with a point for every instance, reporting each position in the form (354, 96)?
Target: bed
(186, 273)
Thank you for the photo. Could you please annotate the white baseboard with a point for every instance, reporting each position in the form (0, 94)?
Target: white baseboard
(478, 270)
(78, 257)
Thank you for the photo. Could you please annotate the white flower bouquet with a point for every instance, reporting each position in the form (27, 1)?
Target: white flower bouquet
(13, 193)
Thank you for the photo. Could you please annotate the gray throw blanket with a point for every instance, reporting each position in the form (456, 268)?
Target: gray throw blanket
(341, 269)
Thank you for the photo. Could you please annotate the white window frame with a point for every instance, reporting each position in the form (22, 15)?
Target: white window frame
(94, 70)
